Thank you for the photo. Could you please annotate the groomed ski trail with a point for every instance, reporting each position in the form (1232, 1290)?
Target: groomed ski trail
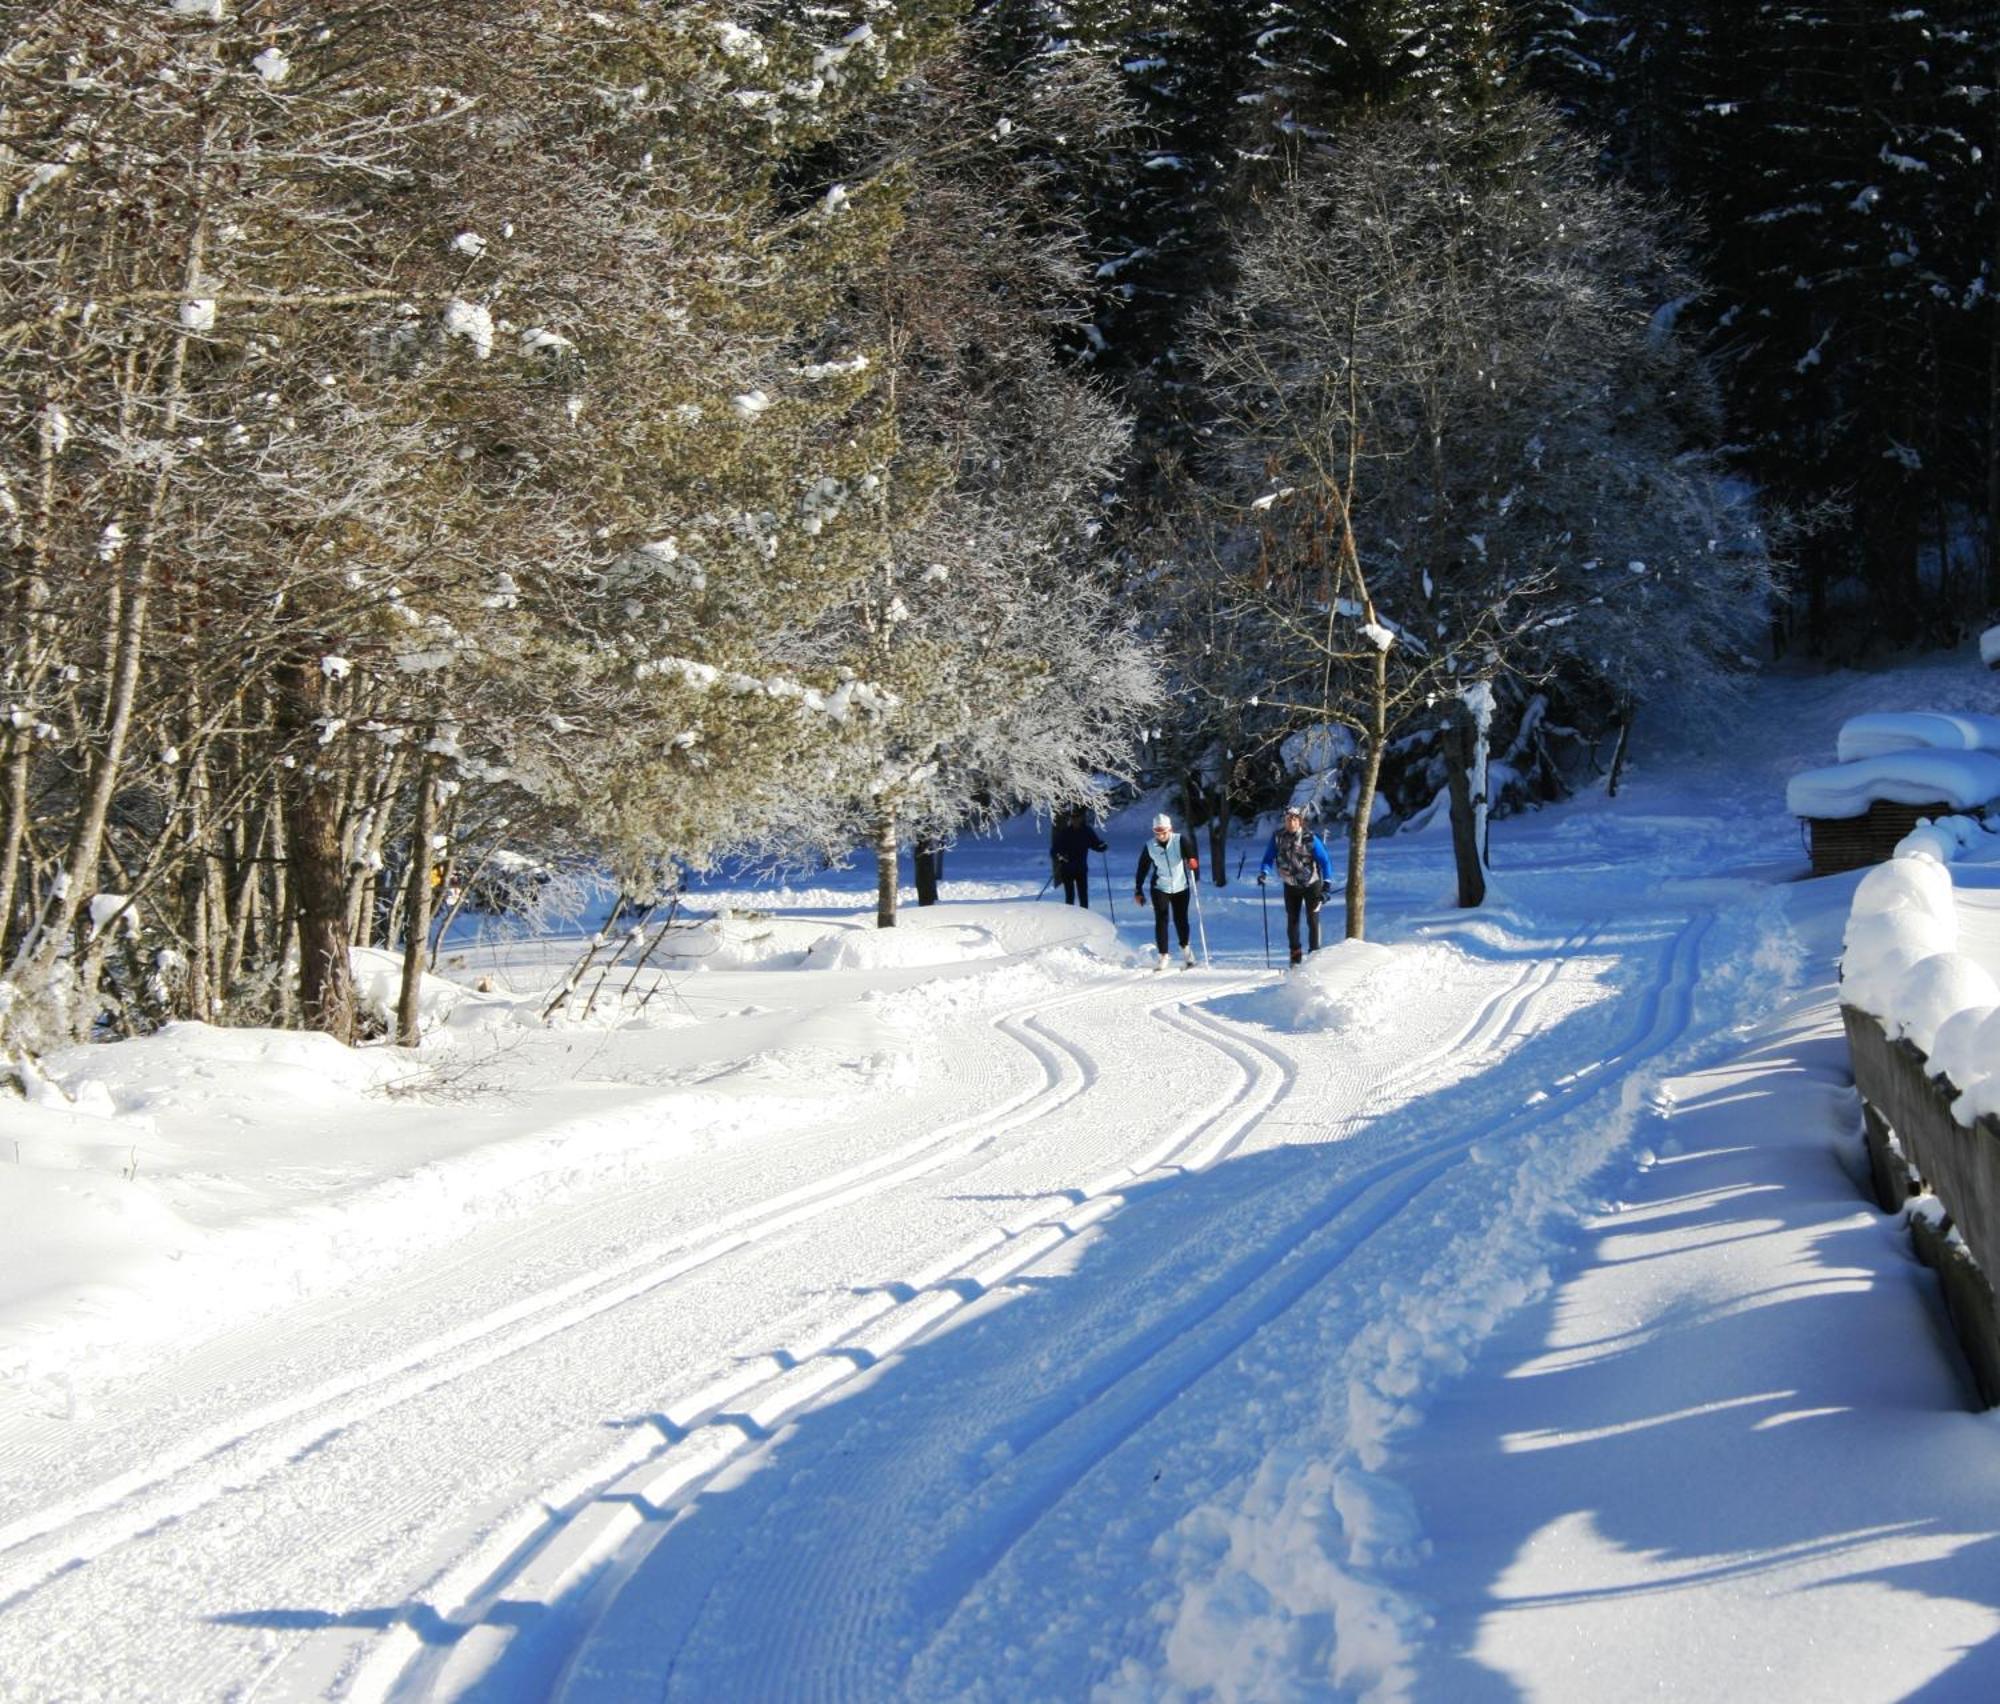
(822, 1620)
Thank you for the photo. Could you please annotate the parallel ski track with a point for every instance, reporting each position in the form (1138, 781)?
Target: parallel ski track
(596, 1545)
(1127, 1391)
(1056, 1443)
(224, 1459)
(545, 1552)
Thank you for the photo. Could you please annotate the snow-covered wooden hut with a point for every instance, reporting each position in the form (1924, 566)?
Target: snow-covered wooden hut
(1857, 810)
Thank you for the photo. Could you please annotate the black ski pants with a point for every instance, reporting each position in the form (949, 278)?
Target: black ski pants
(1076, 886)
(1299, 899)
(1177, 903)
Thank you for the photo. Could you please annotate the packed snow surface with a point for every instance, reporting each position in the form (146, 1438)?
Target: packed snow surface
(1487, 1310)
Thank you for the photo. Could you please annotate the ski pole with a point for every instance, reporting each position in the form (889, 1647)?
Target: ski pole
(1110, 893)
(1201, 928)
(1264, 899)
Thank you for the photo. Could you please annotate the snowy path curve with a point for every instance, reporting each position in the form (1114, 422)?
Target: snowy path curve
(495, 1455)
(917, 1541)
(216, 1462)
(76, 1558)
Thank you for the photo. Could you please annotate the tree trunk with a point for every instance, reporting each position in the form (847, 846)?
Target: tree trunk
(1993, 396)
(372, 801)
(416, 942)
(316, 869)
(930, 871)
(1364, 801)
(13, 839)
(202, 921)
(1461, 739)
(252, 849)
(1218, 845)
(1357, 843)
(885, 868)
(1618, 752)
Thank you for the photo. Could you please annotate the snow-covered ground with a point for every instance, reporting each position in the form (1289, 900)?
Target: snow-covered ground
(1489, 1311)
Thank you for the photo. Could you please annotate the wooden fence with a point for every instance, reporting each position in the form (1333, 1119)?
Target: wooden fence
(1914, 1146)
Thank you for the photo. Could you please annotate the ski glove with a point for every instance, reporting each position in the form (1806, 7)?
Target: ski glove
(1260, 878)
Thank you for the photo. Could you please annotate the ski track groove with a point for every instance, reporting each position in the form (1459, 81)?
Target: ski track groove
(221, 1460)
(1075, 1430)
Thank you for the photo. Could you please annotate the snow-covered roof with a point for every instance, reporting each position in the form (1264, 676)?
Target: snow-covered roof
(1963, 780)
(1881, 732)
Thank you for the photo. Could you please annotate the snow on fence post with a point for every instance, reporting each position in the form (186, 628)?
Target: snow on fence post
(1923, 1033)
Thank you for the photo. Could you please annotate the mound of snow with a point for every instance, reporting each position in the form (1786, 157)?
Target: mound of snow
(1908, 882)
(1351, 987)
(1964, 780)
(901, 949)
(1963, 1048)
(746, 940)
(1881, 732)
(1935, 989)
(232, 1073)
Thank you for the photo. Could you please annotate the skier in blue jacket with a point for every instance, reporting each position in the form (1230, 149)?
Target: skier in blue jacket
(1300, 857)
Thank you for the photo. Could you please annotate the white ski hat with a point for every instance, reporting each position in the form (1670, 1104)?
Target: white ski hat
(1163, 821)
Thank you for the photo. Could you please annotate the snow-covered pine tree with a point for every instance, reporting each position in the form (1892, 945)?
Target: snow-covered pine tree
(1013, 677)
(1840, 154)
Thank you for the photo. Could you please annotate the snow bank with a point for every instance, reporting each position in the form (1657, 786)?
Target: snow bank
(1881, 732)
(1351, 987)
(739, 940)
(446, 1008)
(1989, 647)
(901, 949)
(745, 939)
(1964, 780)
(1900, 960)
(171, 1186)
(230, 1074)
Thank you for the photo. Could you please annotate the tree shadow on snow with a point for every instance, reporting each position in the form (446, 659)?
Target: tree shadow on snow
(1754, 1437)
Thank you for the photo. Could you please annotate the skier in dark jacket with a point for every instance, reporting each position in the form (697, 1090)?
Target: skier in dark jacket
(1071, 842)
(1169, 859)
(1300, 857)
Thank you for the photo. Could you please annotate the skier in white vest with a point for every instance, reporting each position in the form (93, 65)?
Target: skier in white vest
(1170, 860)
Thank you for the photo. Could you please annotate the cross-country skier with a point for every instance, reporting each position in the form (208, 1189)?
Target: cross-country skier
(1300, 857)
(1071, 842)
(1170, 860)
